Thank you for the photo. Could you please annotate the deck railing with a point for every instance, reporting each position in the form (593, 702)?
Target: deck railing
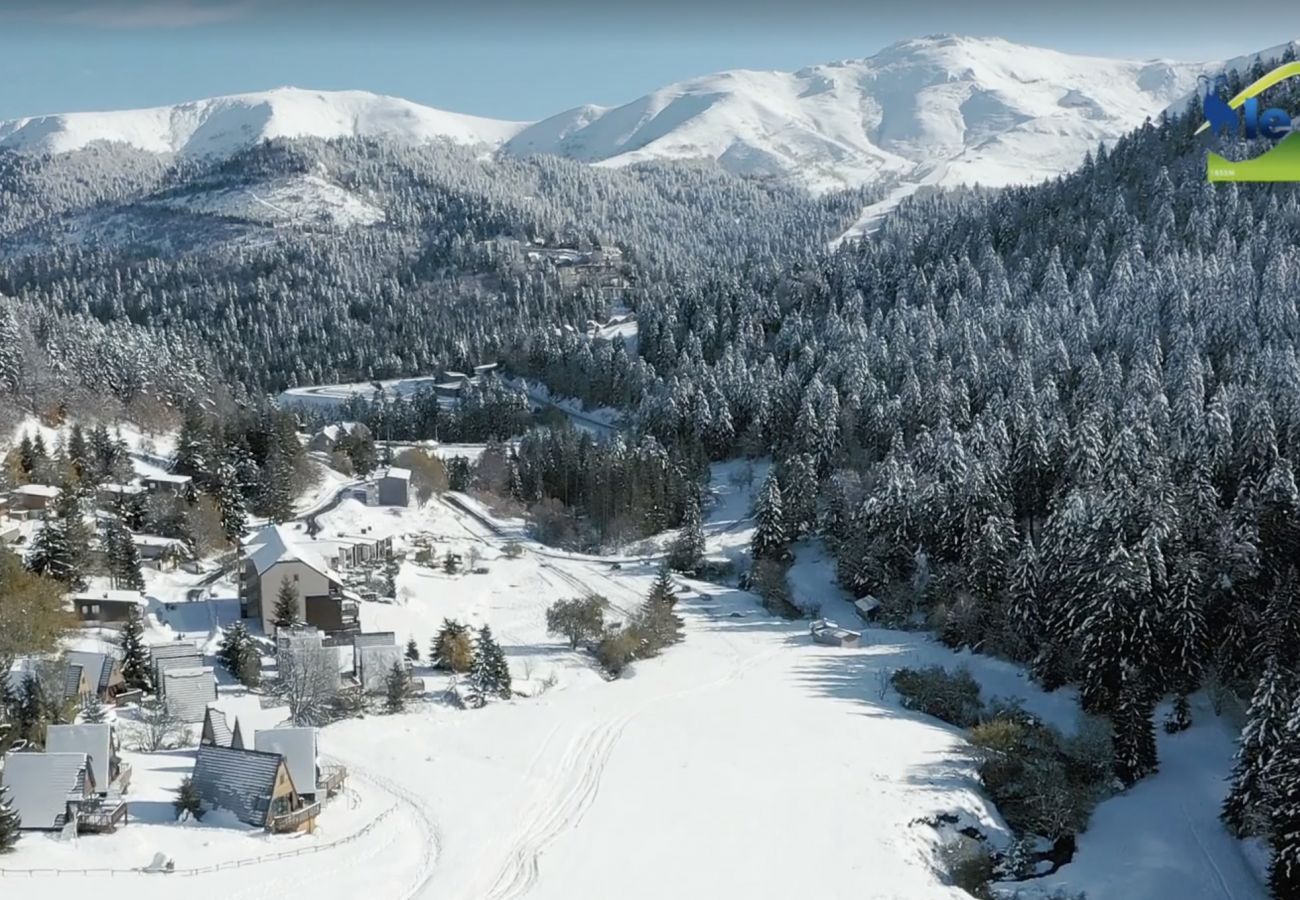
(293, 820)
(331, 780)
(101, 819)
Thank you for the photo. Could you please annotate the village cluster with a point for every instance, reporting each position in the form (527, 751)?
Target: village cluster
(293, 633)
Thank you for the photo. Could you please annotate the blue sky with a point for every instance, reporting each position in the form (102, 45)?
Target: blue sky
(518, 60)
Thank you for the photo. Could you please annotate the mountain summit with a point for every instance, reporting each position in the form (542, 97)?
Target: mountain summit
(937, 110)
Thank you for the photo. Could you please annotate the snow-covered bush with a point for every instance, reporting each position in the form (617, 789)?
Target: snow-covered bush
(953, 697)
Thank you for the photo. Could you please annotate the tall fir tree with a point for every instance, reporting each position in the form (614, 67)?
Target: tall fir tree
(687, 550)
(770, 534)
(123, 557)
(286, 611)
(1284, 813)
(1245, 809)
(1135, 731)
(10, 821)
(135, 654)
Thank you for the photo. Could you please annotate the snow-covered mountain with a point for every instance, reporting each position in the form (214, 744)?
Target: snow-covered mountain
(939, 110)
(223, 125)
(975, 109)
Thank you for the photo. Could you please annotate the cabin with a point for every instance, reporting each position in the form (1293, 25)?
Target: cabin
(99, 744)
(50, 791)
(31, 501)
(166, 484)
(163, 553)
(325, 440)
(103, 673)
(275, 555)
(254, 786)
(394, 487)
(867, 608)
(216, 730)
(826, 632)
(110, 494)
(172, 655)
(188, 692)
(107, 608)
(299, 748)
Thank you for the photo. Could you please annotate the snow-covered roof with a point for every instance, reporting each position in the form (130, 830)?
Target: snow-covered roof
(37, 490)
(110, 487)
(153, 540)
(94, 741)
(298, 747)
(72, 684)
(277, 543)
(97, 666)
(166, 478)
(172, 649)
(112, 597)
(214, 722)
(398, 472)
(240, 781)
(340, 429)
(189, 691)
(39, 785)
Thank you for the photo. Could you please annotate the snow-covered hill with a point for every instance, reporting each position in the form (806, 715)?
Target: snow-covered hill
(976, 109)
(223, 125)
(940, 110)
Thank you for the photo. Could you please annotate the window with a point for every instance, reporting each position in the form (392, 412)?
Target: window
(295, 576)
(94, 609)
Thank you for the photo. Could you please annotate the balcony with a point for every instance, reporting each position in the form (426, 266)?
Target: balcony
(331, 780)
(99, 817)
(293, 821)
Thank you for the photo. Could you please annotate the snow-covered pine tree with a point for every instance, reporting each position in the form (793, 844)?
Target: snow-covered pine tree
(93, 710)
(233, 649)
(452, 649)
(135, 654)
(687, 550)
(663, 590)
(10, 822)
(1187, 636)
(1245, 810)
(287, 610)
(123, 557)
(412, 650)
(396, 685)
(1284, 812)
(1135, 731)
(770, 535)
(229, 497)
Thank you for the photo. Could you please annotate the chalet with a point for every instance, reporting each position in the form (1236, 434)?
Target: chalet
(254, 786)
(110, 494)
(163, 552)
(394, 487)
(97, 742)
(370, 639)
(355, 550)
(50, 790)
(216, 730)
(325, 440)
(299, 749)
(374, 665)
(172, 655)
(276, 555)
(867, 608)
(107, 607)
(103, 672)
(824, 631)
(32, 500)
(166, 483)
(189, 691)
(76, 685)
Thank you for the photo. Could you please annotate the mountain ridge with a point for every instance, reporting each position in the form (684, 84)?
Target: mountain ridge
(936, 110)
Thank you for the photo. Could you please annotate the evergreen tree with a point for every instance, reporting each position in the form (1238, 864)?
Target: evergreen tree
(453, 649)
(135, 655)
(236, 650)
(93, 710)
(1135, 733)
(123, 557)
(286, 611)
(663, 590)
(229, 497)
(412, 650)
(1247, 803)
(187, 799)
(687, 550)
(10, 822)
(489, 673)
(193, 449)
(396, 686)
(1284, 819)
(770, 535)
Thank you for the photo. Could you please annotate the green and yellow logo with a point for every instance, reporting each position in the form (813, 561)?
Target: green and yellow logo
(1280, 162)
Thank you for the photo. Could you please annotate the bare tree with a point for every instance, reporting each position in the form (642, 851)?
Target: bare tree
(158, 728)
(307, 681)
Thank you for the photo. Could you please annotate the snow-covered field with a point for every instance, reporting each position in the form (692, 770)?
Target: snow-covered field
(745, 761)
